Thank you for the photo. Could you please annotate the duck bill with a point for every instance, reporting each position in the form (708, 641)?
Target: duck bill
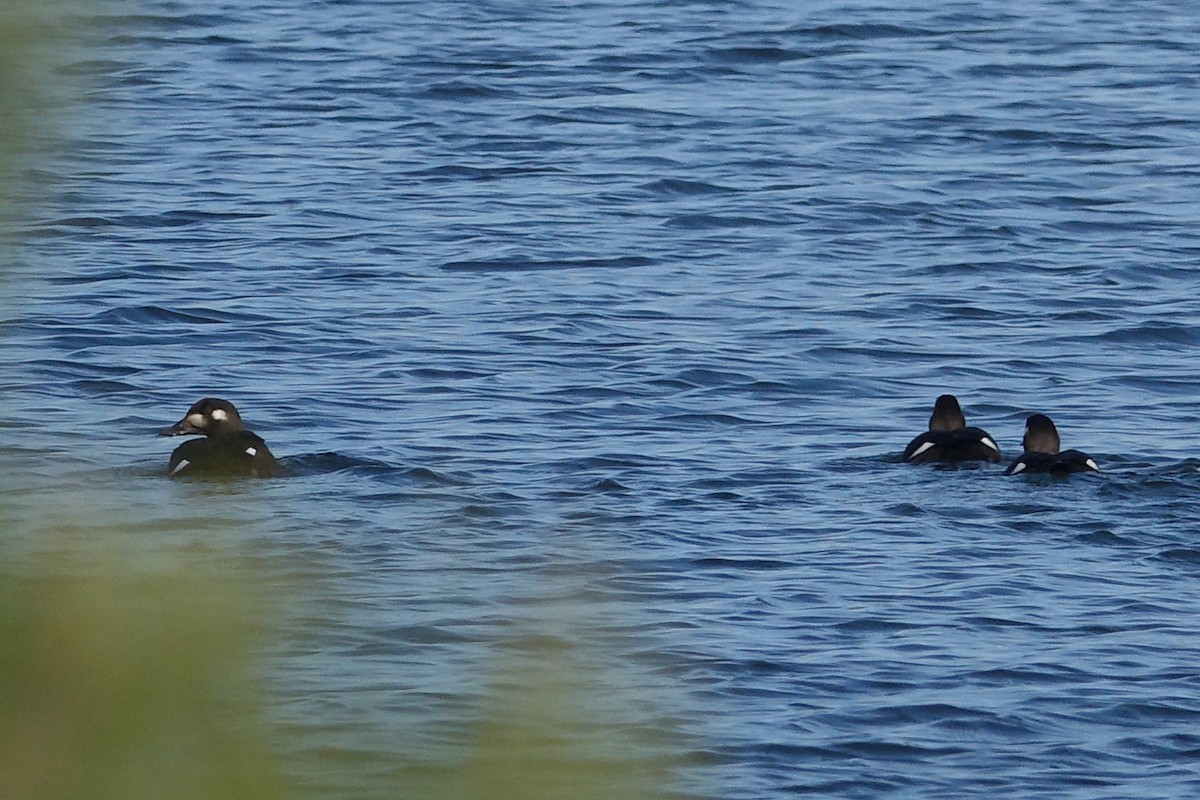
(181, 428)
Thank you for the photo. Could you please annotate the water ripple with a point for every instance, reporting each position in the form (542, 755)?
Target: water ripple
(601, 331)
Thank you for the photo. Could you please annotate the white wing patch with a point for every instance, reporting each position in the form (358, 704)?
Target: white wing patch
(1018, 467)
(180, 466)
(250, 451)
(1091, 462)
(989, 443)
(920, 450)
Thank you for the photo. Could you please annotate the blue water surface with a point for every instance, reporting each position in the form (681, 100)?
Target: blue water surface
(604, 323)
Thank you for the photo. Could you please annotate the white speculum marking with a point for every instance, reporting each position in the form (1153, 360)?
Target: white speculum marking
(921, 449)
(180, 466)
(219, 414)
(250, 451)
(989, 443)
(1091, 462)
(1019, 467)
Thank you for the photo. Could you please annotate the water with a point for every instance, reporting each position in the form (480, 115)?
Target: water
(602, 325)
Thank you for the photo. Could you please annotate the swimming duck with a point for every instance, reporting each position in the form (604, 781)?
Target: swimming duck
(1042, 453)
(226, 450)
(949, 440)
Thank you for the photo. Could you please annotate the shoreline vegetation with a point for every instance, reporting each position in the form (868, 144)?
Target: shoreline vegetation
(122, 677)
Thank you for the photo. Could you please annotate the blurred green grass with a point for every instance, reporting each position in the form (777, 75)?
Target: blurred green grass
(121, 681)
(35, 44)
(118, 685)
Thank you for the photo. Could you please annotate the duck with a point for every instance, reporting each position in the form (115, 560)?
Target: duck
(227, 448)
(949, 440)
(1043, 454)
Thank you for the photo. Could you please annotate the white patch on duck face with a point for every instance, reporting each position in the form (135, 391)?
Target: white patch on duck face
(180, 466)
(219, 414)
(1018, 467)
(250, 451)
(1091, 463)
(920, 450)
(196, 420)
(986, 442)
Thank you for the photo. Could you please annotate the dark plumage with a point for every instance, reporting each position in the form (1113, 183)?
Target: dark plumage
(949, 440)
(227, 449)
(1042, 453)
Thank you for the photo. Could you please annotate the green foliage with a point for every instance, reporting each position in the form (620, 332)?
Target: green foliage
(39, 41)
(123, 682)
(125, 687)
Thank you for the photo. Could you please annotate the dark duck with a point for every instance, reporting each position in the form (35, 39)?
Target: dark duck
(949, 440)
(1043, 454)
(226, 448)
